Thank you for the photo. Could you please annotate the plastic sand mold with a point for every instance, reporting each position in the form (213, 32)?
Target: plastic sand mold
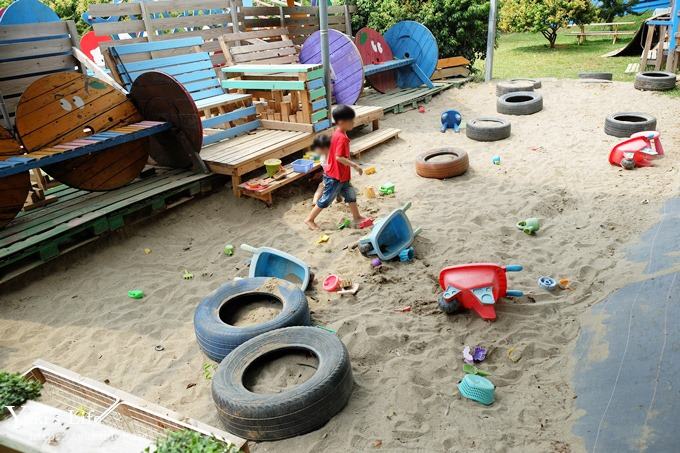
(477, 388)
(135, 294)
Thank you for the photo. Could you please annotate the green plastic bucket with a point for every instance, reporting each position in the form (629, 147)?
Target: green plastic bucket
(272, 166)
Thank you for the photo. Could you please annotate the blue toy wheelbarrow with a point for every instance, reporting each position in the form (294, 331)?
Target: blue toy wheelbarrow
(451, 119)
(390, 235)
(268, 262)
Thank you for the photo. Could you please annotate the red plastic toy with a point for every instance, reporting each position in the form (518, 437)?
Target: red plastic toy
(476, 287)
(641, 148)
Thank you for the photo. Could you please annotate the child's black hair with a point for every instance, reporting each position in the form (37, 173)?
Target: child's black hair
(343, 113)
(321, 142)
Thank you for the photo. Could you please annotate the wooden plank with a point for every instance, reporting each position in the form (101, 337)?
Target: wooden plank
(262, 84)
(451, 62)
(32, 49)
(287, 126)
(238, 50)
(269, 69)
(245, 35)
(47, 64)
(114, 9)
(161, 6)
(264, 55)
(24, 31)
(190, 21)
(116, 28)
(177, 43)
(372, 139)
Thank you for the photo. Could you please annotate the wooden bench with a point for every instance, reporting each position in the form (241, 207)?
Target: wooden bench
(614, 32)
(271, 46)
(225, 115)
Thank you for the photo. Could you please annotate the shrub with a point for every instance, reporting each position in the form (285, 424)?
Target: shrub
(187, 441)
(15, 390)
(609, 9)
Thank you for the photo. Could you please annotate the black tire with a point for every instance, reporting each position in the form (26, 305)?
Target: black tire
(448, 307)
(488, 129)
(512, 86)
(655, 81)
(217, 339)
(365, 248)
(520, 103)
(624, 124)
(294, 411)
(537, 83)
(596, 75)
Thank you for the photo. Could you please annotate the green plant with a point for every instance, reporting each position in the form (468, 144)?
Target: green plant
(15, 390)
(460, 26)
(609, 9)
(187, 441)
(545, 16)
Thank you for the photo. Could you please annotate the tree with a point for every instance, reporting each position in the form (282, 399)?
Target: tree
(459, 26)
(545, 16)
(609, 9)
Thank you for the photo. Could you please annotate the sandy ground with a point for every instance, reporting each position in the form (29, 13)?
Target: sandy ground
(75, 312)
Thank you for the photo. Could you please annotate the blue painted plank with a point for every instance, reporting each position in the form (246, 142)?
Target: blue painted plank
(421, 75)
(318, 105)
(202, 84)
(174, 70)
(197, 75)
(314, 84)
(371, 69)
(231, 132)
(22, 164)
(156, 63)
(199, 95)
(231, 116)
(129, 49)
(321, 125)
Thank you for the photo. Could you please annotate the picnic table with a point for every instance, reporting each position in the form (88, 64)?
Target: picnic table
(613, 31)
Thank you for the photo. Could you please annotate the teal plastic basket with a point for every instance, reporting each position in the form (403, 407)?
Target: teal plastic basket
(477, 388)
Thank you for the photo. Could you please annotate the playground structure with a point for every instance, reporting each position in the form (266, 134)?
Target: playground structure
(661, 41)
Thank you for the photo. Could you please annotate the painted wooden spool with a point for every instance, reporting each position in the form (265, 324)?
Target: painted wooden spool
(347, 71)
(374, 50)
(409, 39)
(159, 97)
(14, 189)
(27, 12)
(69, 106)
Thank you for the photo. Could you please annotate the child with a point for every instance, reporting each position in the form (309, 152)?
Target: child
(321, 145)
(337, 171)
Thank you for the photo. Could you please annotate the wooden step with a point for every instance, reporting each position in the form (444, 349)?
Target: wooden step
(373, 139)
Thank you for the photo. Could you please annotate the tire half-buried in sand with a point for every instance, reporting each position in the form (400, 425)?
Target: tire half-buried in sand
(442, 163)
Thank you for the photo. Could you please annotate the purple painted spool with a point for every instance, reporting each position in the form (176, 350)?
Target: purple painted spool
(347, 71)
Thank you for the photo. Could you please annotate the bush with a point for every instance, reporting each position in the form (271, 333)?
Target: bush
(545, 16)
(15, 390)
(460, 26)
(609, 9)
(187, 441)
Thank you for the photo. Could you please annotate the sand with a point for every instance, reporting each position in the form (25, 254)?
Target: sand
(74, 312)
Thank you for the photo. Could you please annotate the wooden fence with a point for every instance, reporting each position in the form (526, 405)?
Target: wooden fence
(167, 19)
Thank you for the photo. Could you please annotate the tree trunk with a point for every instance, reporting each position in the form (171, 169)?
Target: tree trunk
(551, 35)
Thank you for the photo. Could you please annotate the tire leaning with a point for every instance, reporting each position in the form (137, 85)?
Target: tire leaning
(655, 81)
(456, 166)
(617, 124)
(533, 104)
(296, 410)
(217, 339)
(488, 129)
(512, 86)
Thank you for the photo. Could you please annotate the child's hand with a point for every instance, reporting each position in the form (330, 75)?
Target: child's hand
(359, 170)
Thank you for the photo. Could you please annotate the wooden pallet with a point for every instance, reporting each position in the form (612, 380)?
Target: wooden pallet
(404, 99)
(371, 140)
(80, 217)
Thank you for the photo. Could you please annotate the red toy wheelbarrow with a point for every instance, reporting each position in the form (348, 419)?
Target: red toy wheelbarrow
(476, 287)
(637, 151)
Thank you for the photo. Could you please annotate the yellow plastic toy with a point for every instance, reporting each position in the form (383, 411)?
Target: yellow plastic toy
(370, 170)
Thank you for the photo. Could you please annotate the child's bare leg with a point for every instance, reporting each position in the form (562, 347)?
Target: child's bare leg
(310, 221)
(354, 209)
(318, 193)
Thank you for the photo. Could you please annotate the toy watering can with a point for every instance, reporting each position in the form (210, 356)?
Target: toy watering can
(529, 226)
(451, 119)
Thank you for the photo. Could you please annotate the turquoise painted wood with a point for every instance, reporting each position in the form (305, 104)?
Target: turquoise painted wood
(315, 94)
(231, 132)
(316, 116)
(263, 84)
(102, 141)
(314, 84)
(270, 68)
(322, 125)
(231, 116)
(318, 105)
(169, 44)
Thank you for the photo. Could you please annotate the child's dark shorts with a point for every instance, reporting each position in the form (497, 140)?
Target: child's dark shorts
(332, 188)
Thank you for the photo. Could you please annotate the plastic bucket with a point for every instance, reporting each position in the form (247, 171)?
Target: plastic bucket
(272, 166)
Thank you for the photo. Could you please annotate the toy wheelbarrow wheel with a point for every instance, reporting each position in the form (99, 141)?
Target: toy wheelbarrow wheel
(448, 307)
(365, 249)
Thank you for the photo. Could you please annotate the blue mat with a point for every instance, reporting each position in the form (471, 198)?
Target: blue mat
(628, 372)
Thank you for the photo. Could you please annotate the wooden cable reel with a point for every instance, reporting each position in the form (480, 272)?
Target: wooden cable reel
(69, 106)
(15, 188)
(375, 50)
(410, 39)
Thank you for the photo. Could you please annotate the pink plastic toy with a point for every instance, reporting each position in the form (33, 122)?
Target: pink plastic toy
(476, 287)
(641, 148)
(331, 283)
(366, 223)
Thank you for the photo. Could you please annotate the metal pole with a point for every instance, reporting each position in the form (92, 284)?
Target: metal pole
(325, 54)
(490, 41)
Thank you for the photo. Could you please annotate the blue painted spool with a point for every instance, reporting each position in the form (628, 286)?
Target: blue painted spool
(410, 39)
(27, 12)
(268, 262)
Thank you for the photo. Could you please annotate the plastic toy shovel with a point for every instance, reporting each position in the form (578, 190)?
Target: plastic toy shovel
(268, 262)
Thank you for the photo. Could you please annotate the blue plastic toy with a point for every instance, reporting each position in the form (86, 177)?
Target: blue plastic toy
(389, 236)
(406, 254)
(547, 283)
(268, 262)
(451, 119)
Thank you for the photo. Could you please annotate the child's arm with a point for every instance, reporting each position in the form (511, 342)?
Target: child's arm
(349, 163)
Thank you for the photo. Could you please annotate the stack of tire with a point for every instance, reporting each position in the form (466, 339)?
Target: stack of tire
(295, 410)
(517, 97)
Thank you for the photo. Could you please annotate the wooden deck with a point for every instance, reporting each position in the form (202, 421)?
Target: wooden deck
(400, 100)
(79, 217)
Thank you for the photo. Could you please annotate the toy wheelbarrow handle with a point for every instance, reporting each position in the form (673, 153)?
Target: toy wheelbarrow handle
(417, 231)
(406, 206)
(249, 248)
(514, 268)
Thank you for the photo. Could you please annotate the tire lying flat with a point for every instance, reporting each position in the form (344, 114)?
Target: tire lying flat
(488, 129)
(296, 410)
(511, 86)
(520, 103)
(624, 124)
(217, 338)
(596, 75)
(655, 81)
(537, 83)
(456, 163)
